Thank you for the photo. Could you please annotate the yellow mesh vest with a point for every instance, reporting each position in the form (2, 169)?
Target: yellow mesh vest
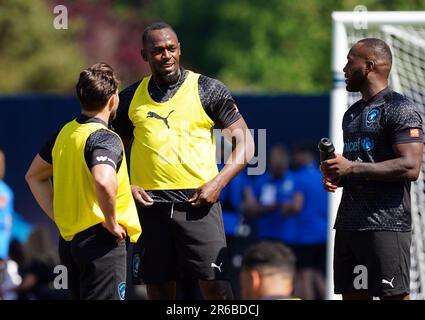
(173, 145)
(75, 204)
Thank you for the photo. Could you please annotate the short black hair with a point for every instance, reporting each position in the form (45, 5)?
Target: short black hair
(379, 48)
(269, 255)
(95, 86)
(154, 26)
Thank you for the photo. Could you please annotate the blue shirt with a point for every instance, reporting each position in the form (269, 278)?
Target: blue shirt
(312, 221)
(269, 191)
(6, 211)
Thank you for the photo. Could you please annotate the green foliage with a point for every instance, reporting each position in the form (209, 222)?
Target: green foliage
(262, 46)
(34, 56)
(251, 45)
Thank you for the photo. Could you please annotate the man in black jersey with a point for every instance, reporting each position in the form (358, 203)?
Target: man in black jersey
(383, 147)
(169, 117)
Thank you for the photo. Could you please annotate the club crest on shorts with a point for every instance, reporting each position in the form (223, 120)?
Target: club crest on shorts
(136, 265)
(121, 290)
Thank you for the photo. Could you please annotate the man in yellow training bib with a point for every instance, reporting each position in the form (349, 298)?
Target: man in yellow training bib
(169, 116)
(91, 201)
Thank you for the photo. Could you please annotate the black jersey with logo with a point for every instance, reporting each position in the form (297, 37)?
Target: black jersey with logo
(370, 130)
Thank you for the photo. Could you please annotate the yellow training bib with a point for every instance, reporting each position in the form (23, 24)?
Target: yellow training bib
(173, 146)
(75, 204)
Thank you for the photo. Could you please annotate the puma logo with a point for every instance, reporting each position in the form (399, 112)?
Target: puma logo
(213, 265)
(388, 282)
(152, 114)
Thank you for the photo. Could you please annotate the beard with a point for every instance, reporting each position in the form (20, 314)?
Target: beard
(355, 81)
(171, 77)
(167, 78)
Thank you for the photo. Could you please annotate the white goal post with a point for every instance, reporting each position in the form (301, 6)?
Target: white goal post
(404, 32)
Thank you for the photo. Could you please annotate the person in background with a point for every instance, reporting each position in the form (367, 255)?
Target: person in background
(17, 254)
(309, 245)
(274, 199)
(268, 272)
(9, 280)
(9, 277)
(236, 229)
(38, 271)
(6, 211)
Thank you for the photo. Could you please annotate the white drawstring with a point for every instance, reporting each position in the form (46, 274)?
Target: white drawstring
(172, 210)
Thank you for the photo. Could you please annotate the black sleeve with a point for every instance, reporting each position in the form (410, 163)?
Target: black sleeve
(122, 123)
(103, 147)
(46, 150)
(404, 122)
(217, 101)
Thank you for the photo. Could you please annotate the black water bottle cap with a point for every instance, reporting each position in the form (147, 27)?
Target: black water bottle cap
(326, 145)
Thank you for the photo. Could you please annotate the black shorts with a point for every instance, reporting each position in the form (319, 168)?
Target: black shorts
(180, 241)
(386, 256)
(96, 262)
(310, 256)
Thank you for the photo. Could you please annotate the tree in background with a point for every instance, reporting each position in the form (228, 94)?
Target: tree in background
(262, 46)
(271, 46)
(38, 58)
(33, 55)
(110, 31)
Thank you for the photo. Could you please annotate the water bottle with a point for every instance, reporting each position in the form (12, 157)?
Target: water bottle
(326, 149)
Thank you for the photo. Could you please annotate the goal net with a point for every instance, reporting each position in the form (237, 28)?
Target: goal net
(404, 32)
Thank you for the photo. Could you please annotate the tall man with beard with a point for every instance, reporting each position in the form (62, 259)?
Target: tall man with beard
(383, 146)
